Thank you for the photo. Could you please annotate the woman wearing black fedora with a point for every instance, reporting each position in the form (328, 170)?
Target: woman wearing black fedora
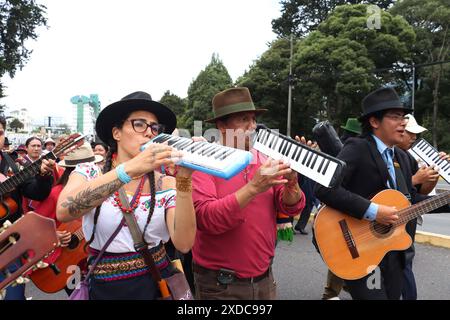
(374, 163)
(121, 272)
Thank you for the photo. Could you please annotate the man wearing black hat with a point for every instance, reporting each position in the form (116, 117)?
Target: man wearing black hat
(375, 164)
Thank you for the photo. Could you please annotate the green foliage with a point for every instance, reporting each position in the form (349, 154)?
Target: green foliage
(213, 79)
(267, 83)
(16, 124)
(178, 106)
(174, 102)
(333, 68)
(18, 22)
(299, 17)
(431, 21)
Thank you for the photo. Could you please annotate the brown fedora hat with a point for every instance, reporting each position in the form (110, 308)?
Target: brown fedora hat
(231, 101)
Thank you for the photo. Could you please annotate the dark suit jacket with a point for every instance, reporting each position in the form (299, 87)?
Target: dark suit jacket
(365, 175)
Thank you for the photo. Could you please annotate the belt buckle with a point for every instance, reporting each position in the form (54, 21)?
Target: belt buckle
(225, 276)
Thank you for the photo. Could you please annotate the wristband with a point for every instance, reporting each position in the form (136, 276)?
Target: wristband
(122, 175)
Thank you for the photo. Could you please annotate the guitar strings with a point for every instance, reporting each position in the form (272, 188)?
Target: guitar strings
(365, 232)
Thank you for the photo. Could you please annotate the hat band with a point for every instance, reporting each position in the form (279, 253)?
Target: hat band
(391, 104)
(74, 162)
(233, 108)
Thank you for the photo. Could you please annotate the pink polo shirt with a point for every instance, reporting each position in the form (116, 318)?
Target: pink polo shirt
(229, 237)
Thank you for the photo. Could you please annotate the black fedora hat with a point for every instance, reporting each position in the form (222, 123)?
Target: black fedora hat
(382, 99)
(116, 112)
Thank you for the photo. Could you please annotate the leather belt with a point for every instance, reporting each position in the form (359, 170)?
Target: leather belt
(205, 271)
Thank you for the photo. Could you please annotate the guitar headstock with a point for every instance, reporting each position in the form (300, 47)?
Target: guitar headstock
(69, 144)
(30, 239)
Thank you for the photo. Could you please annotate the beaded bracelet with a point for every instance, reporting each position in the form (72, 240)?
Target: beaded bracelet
(122, 175)
(184, 184)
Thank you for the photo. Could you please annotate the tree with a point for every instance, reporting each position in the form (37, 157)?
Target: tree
(16, 124)
(431, 22)
(266, 80)
(174, 102)
(213, 79)
(178, 106)
(300, 17)
(333, 69)
(334, 64)
(18, 22)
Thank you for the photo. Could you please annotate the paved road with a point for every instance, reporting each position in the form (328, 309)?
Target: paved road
(301, 274)
(437, 223)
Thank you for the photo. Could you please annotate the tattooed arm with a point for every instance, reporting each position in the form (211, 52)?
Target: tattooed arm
(80, 196)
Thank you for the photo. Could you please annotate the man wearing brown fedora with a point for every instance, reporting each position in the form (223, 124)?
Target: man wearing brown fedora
(375, 164)
(236, 219)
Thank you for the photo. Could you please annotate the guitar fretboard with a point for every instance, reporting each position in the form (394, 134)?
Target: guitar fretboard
(423, 207)
(28, 172)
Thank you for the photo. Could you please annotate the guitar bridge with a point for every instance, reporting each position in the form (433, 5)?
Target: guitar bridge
(349, 239)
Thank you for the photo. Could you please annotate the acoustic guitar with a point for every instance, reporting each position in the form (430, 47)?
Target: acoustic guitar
(54, 278)
(29, 239)
(353, 248)
(7, 184)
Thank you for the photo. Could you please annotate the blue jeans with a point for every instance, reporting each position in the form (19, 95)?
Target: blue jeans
(17, 292)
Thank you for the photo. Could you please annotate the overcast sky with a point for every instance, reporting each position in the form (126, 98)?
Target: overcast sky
(115, 47)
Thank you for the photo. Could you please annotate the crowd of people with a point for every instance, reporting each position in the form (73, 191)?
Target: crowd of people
(224, 230)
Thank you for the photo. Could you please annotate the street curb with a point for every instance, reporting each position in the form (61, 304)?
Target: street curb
(434, 239)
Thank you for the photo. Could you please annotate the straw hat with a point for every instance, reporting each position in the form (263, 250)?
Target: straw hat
(81, 155)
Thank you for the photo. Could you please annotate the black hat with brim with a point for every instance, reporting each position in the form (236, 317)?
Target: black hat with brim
(116, 112)
(382, 99)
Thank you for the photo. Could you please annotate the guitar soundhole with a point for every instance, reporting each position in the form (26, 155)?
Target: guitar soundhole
(74, 242)
(381, 229)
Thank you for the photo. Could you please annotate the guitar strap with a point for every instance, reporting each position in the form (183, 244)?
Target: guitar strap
(401, 181)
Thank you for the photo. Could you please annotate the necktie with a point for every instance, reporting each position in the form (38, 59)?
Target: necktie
(388, 158)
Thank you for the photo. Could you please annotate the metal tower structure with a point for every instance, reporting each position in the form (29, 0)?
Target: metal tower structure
(93, 103)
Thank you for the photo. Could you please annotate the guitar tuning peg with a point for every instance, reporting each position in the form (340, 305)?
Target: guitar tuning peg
(41, 265)
(2, 294)
(12, 240)
(22, 280)
(6, 225)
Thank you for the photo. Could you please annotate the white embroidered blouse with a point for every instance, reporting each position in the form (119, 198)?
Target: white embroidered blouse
(111, 215)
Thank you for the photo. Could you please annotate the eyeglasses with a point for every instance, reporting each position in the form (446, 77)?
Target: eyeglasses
(141, 126)
(396, 117)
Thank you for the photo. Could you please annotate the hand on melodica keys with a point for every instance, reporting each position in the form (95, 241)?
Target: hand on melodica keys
(444, 156)
(309, 143)
(152, 158)
(426, 174)
(173, 169)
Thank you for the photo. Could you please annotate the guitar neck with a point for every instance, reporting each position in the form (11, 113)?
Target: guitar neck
(423, 207)
(28, 172)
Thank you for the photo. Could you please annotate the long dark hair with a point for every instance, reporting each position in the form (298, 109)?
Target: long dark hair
(106, 168)
(65, 176)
